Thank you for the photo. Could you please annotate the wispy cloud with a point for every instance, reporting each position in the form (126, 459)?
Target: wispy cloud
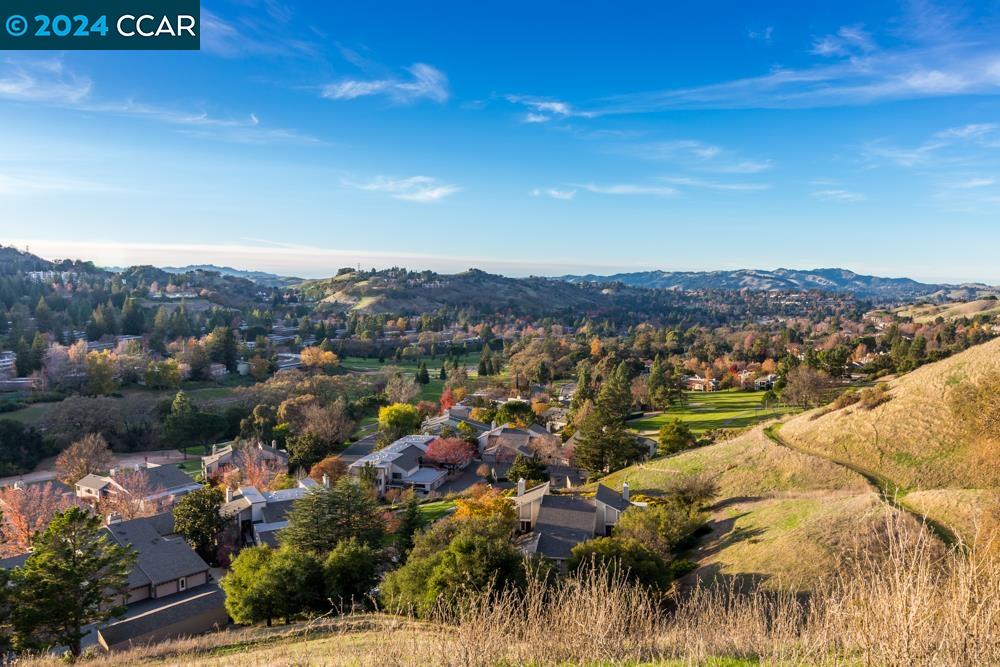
(421, 189)
(761, 34)
(695, 154)
(630, 189)
(554, 193)
(971, 183)
(542, 109)
(51, 83)
(714, 185)
(253, 35)
(45, 81)
(949, 147)
(849, 40)
(838, 195)
(930, 54)
(424, 82)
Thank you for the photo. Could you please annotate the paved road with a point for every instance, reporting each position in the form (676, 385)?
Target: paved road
(46, 469)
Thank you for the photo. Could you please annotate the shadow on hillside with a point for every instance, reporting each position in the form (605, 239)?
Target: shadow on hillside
(735, 500)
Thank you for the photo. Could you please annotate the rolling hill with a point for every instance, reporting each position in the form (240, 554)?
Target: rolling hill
(834, 280)
(782, 519)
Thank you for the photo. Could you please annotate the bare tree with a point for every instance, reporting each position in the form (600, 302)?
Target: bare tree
(89, 454)
(128, 498)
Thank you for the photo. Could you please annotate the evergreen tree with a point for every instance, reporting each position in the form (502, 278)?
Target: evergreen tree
(197, 519)
(325, 516)
(411, 522)
(423, 377)
(133, 321)
(614, 401)
(76, 575)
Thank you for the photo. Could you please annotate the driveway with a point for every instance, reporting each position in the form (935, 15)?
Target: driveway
(362, 447)
(45, 471)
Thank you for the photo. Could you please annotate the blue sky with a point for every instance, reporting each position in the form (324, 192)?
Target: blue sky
(522, 137)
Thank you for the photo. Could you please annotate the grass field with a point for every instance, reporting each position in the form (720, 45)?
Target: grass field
(199, 392)
(433, 511)
(705, 411)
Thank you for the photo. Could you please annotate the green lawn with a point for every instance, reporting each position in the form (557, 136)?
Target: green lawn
(704, 411)
(362, 364)
(31, 415)
(436, 510)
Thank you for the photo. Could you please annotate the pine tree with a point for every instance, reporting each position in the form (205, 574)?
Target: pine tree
(614, 401)
(75, 576)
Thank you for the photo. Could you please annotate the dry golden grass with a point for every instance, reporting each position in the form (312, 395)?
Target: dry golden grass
(929, 313)
(795, 542)
(911, 603)
(974, 514)
(912, 439)
(747, 465)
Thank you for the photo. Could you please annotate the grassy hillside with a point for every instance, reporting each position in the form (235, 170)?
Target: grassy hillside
(930, 312)
(749, 465)
(782, 519)
(913, 440)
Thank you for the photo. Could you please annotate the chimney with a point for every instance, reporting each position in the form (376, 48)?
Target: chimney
(214, 447)
(326, 481)
(520, 487)
(114, 518)
(111, 473)
(625, 492)
(18, 485)
(569, 482)
(229, 494)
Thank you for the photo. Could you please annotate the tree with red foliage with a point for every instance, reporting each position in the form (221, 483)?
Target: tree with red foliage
(448, 452)
(447, 399)
(27, 510)
(427, 409)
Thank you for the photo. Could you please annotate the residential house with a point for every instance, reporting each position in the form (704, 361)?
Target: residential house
(450, 421)
(399, 465)
(193, 615)
(165, 564)
(766, 382)
(223, 458)
(551, 525)
(165, 485)
(698, 383)
(499, 446)
(261, 515)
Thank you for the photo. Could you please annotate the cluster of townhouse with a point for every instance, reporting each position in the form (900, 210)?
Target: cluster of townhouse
(171, 591)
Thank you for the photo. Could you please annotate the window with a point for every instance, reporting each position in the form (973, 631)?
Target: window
(525, 526)
(182, 584)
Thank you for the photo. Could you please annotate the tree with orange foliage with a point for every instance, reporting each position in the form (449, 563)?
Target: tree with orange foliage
(316, 358)
(448, 452)
(256, 470)
(27, 510)
(87, 455)
(484, 501)
(332, 466)
(447, 399)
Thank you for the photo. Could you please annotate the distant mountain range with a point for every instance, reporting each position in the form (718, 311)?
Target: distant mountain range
(259, 277)
(835, 280)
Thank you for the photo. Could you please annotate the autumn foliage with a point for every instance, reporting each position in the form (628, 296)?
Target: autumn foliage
(26, 511)
(448, 452)
(484, 501)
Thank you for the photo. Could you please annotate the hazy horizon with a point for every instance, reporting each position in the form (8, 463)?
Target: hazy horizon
(296, 262)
